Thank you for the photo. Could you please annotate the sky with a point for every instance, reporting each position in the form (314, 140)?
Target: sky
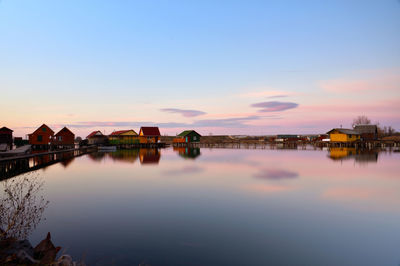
(219, 67)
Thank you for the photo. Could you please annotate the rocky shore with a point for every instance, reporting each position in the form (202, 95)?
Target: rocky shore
(21, 252)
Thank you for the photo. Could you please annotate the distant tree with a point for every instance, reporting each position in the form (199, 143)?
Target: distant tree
(361, 120)
(78, 139)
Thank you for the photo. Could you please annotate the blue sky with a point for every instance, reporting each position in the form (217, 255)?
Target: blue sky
(85, 63)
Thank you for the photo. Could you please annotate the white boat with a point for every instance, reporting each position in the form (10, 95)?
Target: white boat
(107, 148)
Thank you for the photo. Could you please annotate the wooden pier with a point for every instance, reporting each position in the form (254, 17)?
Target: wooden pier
(16, 165)
(378, 144)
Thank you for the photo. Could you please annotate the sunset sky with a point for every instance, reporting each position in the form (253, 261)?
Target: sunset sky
(221, 67)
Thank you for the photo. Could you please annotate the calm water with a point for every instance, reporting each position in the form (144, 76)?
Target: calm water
(224, 207)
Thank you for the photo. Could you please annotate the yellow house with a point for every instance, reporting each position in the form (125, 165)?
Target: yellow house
(343, 135)
(123, 137)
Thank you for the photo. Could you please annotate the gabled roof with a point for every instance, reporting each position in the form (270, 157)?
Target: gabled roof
(44, 125)
(65, 129)
(366, 128)
(6, 129)
(187, 132)
(95, 133)
(150, 131)
(116, 133)
(344, 131)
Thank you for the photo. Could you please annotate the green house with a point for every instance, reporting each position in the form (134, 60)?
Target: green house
(189, 136)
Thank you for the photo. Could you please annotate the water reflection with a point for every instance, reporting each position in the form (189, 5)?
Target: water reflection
(226, 207)
(275, 174)
(21, 205)
(16, 167)
(129, 156)
(188, 152)
(149, 156)
(97, 156)
(359, 156)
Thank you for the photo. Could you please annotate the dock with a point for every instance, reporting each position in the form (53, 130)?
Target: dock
(18, 151)
(16, 165)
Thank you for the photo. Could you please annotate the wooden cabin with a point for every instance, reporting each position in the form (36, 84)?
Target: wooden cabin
(187, 136)
(123, 137)
(64, 138)
(367, 132)
(96, 137)
(149, 135)
(6, 138)
(343, 135)
(41, 137)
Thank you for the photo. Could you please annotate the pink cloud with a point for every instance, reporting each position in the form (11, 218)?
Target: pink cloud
(274, 106)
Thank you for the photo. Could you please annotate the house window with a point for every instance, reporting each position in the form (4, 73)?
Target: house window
(59, 138)
(350, 136)
(39, 138)
(43, 129)
(194, 137)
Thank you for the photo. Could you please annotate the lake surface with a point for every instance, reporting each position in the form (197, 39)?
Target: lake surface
(223, 207)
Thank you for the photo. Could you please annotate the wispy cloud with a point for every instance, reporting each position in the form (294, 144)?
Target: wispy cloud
(268, 93)
(236, 122)
(226, 122)
(278, 96)
(274, 106)
(379, 81)
(185, 113)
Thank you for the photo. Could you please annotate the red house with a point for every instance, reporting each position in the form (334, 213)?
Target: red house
(149, 135)
(64, 138)
(41, 137)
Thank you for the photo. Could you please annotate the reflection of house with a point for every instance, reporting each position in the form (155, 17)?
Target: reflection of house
(367, 132)
(149, 156)
(366, 157)
(6, 138)
(123, 137)
(360, 156)
(149, 134)
(96, 156)
(42, 137)
(129, 156)
(66, 158)
(64, 138)
(187, 152)
(96, 137)
(343, 135)
(187, 136)
(340, 153)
